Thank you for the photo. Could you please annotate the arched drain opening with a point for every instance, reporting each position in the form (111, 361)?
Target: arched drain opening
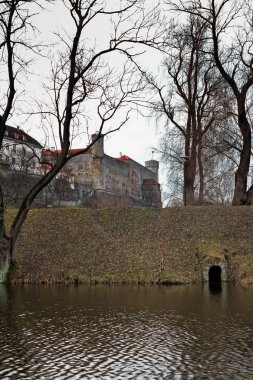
(214, 274)
(214, 277)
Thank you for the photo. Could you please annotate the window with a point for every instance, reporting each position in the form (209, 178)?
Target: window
(13, 161)
(14, 148)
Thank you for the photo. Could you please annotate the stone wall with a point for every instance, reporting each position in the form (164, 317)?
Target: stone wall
(16, 184)
(114, 183)
(103, 181)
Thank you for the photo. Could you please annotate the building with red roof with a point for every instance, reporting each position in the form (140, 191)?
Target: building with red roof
(104, 181)
(91, 179)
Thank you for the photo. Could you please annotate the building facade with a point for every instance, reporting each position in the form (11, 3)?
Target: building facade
(20, 151)
(93, 179)
(104, 181)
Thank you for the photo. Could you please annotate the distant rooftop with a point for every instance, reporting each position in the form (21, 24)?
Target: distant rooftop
(57, 152)
(124, 158)
(19, 134)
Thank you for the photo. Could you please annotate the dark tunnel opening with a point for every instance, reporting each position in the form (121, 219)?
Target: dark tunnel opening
(214, 274)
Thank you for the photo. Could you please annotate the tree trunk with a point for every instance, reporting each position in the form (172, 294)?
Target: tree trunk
(189, 166)
(5, 259)
(250, 196)
(201, 176)
(241, 174)
(5, 247)
(189, 179)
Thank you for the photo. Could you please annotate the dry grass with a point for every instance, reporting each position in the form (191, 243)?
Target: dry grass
(133, 244)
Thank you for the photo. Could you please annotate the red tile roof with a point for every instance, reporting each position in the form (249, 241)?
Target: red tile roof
(123, 158)
(46, 166)
(49, 152)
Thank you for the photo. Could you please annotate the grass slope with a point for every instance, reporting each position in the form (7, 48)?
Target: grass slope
(133, 244)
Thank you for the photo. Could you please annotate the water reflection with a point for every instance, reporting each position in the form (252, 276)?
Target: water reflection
(118, 332)
(215, 287)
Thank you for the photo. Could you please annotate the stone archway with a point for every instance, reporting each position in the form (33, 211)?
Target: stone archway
(215, 272)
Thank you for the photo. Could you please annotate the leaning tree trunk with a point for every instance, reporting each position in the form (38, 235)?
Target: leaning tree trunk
(5, 259)
(241, 174)
(5, 246)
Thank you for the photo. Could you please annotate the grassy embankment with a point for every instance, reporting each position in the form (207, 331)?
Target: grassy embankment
(133, 244)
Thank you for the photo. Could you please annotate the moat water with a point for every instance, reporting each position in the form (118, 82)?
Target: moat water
(123, 332)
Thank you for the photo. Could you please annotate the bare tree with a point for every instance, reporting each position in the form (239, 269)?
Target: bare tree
(229, 23)
(80, 74)
(193, 99)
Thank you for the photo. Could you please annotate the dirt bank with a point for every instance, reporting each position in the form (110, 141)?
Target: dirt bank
(133, 244)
